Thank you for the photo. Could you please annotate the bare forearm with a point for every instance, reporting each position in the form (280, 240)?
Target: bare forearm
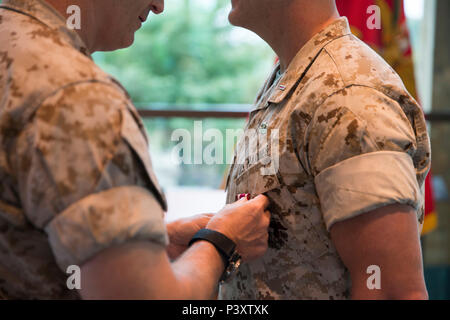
(143, 271)
(198, 271)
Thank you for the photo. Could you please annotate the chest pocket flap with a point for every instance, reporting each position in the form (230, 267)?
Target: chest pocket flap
(257, 179)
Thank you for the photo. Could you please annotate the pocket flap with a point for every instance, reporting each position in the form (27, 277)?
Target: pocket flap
(255, 179)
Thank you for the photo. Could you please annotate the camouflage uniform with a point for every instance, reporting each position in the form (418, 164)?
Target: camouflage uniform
(75, 172)
(351, 139)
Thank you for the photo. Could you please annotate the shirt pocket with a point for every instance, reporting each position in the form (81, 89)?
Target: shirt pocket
(136, 139)
(255, 181)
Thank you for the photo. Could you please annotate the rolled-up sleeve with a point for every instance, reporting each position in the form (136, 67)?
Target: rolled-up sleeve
(366, 183)
(361, 148)
(85, 176)
(105, 219)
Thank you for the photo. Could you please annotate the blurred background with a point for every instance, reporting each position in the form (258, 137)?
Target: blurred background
(190, 65)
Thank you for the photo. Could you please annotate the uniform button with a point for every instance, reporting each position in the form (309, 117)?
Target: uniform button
(263, 128)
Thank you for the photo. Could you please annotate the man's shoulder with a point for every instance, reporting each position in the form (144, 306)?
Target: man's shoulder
(38, 62)
(358, 64)
(347, 66)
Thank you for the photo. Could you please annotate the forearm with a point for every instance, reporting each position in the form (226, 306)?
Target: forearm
(171, 249)
(198, 271)
(142, 271)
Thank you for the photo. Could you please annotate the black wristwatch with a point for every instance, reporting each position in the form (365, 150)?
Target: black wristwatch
(225, 246)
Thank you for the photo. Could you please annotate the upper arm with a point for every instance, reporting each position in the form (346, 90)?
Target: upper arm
(388, 238)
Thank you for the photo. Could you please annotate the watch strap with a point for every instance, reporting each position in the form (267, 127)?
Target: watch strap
(224, 245)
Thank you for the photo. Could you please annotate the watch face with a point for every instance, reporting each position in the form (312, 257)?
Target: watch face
(233, 267)
(236, 259)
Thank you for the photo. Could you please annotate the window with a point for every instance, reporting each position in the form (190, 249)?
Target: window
(421, 22)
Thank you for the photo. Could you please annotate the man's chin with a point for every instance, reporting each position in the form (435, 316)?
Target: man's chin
(116, 45)
(233, 18)
(128, 42)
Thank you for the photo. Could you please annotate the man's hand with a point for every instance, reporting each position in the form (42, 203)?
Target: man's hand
(181, 232)
(245, 222)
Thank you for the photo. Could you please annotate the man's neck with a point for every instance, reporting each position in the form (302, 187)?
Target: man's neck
(86, 20)
(292, 33)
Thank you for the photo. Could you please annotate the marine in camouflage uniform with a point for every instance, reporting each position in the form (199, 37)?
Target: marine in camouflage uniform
(75, 172)
(351, 140)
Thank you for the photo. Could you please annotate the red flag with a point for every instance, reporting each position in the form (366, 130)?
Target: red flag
(392, 42)
(356, 12)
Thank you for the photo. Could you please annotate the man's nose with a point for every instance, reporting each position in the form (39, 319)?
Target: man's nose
(157, 6)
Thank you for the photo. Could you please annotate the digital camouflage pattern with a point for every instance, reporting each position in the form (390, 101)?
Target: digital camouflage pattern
(351, 139)
(75, 172)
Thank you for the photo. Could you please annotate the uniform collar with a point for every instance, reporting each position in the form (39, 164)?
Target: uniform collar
(49, 16)
(306, 57)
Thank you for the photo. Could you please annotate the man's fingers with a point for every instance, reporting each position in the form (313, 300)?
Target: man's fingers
(257, 252)
(261, 200)
(264, 221)
(267, 215)
(206, 217)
